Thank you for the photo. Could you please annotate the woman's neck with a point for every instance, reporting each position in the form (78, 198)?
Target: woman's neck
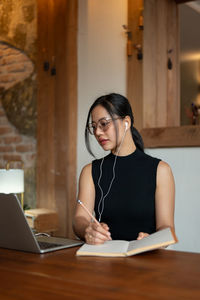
(126, 147)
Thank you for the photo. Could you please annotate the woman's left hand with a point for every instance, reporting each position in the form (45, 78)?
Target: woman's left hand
(141, 235)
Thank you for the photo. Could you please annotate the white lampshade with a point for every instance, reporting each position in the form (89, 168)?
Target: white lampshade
(11, 181)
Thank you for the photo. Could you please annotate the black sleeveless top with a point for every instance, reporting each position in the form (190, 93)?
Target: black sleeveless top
(129, 207)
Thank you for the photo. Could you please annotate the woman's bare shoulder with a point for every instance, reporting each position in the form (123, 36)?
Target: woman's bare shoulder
(86, 173)
(86, 169)
(164, 170)
(164, 167)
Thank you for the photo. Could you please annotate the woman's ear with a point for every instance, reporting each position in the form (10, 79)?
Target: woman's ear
(127, 122)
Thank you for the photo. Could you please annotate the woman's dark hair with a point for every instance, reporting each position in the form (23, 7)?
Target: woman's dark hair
(116, 105)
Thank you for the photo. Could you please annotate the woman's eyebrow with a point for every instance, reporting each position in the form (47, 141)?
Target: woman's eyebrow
(104, 118)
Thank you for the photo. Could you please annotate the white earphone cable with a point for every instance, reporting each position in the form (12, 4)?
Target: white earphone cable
(102, 199)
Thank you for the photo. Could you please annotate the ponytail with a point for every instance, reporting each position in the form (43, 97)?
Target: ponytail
(137, 139)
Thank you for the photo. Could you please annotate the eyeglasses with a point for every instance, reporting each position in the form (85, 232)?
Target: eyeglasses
(103, 124)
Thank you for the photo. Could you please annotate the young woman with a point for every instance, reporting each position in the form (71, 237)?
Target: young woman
(131, 193)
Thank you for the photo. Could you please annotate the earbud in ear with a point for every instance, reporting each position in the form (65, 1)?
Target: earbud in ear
(126, 125)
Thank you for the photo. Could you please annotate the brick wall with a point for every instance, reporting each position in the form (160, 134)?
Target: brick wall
(17, 147)
(14, 146)
(15, 66)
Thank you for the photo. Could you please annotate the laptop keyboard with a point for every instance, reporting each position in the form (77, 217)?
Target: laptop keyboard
(46, 245)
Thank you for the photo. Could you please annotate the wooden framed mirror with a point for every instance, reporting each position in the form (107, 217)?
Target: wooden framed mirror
(153, 84)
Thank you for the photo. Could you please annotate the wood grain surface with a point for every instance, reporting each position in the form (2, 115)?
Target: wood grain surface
(160, 274)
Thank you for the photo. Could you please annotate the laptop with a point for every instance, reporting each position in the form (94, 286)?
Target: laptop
(15, 233)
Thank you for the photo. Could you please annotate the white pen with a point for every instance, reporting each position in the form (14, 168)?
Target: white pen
(89, 213)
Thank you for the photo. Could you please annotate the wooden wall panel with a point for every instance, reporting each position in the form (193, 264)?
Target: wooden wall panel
(158, 107)
(45, 107)
(149, 65)
(71, 63)
(173, 81)
(152, 88)
(160, 84)
(161, 46)
(134, 66)
(57, 109)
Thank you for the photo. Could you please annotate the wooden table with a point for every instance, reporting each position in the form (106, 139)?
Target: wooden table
(160, 274)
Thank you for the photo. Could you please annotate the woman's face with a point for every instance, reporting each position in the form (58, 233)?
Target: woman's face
(104, 128)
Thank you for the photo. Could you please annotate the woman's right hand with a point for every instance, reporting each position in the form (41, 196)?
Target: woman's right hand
(96, 234)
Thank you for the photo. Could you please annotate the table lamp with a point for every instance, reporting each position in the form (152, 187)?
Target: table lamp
(12, 181)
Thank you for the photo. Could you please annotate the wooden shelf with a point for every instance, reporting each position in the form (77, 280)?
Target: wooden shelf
(183, 136)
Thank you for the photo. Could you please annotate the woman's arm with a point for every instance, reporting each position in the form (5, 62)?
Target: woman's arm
(86, 195)
(83, 226)
(164, 197)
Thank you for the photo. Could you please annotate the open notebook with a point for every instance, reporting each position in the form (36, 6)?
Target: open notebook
(15, 232)
(116, 248)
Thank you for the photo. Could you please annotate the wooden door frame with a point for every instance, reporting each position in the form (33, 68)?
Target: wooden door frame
(57, 109)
